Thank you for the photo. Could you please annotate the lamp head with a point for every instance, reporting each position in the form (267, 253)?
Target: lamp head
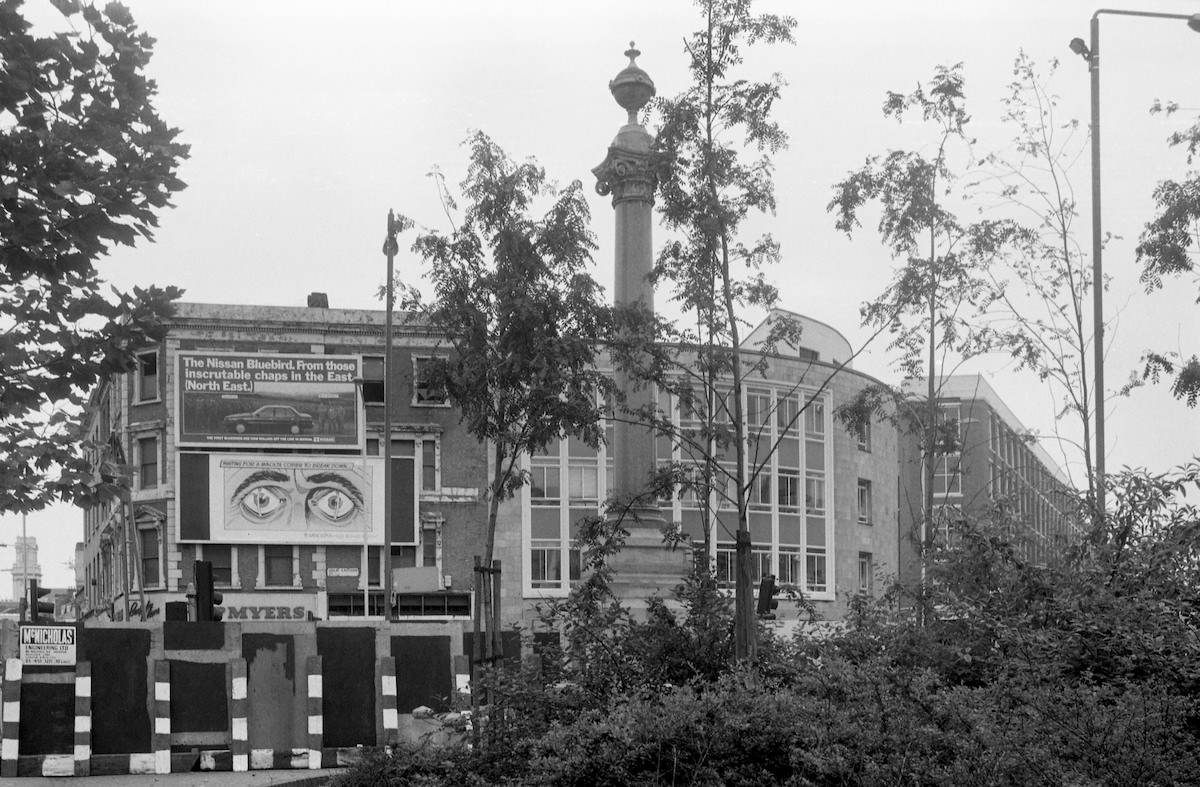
(1194, 22)
(1081, 49)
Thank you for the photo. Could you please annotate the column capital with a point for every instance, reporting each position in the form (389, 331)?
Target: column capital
(629, 175)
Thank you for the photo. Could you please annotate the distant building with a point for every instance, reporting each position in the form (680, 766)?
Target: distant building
(996, 472)
(25, 566)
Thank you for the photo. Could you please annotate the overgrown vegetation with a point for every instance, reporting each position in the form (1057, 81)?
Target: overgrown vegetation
(1083, 671)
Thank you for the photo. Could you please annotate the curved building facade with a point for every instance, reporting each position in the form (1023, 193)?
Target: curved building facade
(822, 515)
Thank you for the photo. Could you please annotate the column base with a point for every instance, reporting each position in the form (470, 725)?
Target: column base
(646, 566)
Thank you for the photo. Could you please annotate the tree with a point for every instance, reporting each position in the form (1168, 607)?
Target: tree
(1038, 304)
(513, 300)
(705, 194)
(85, 164)
(938, 284)
(1167, 249)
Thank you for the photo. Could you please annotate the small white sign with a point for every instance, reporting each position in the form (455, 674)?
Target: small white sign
(342, 571)
(48, 646)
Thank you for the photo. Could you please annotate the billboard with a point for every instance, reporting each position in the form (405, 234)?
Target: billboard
(229, 498)
(268, 400)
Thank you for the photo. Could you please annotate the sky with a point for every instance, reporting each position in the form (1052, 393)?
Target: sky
(309, 120)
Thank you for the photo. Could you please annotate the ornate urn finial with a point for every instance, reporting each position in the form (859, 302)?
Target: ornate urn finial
(632, 87)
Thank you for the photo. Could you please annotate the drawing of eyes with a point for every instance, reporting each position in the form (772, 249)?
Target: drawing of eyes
(263, 502)
(334, 499)
(332, 505)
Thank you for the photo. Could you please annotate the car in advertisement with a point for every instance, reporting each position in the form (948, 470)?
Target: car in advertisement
(270, 419)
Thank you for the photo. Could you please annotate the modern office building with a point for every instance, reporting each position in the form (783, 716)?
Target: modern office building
(809, 523)
(991, 471)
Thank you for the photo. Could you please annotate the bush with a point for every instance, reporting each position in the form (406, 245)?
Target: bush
(413, 766)
(1085, 672)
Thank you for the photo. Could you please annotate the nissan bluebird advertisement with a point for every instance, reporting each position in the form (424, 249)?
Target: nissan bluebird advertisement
(283, 401)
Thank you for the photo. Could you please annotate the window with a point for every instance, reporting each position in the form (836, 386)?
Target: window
(566, 480)
(947, 475)
(758, 409)
(948, 522)
(429, 604)
(760, 491)
(429, 475)
(722, 406)
(373, 388)
(428, 460)
(864, 437)
(543, 485)
(787, 413)
(949, 428)
(374, 572)
(865, 572)
(816, 578)
(221, 557)
(789, 485)
(147, 389)
(864, 502)
(789, 489)
(426, 392)
(814, 494)
(583, 481)
(547, 564)
(148, 462)
(150, 560)
(760, 564)
(726, 568)
(428, 547)
(278, 564)
(789, 566)
(814, 419)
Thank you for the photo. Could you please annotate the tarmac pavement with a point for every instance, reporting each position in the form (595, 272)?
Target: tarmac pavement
(278, 778)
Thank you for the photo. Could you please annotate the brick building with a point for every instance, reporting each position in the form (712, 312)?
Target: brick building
(254, 435)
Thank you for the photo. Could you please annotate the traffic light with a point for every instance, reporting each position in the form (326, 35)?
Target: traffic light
(37, 607)
(767, 603)
(208, 601)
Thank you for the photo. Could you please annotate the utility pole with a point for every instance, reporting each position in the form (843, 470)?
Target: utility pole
(390, 248)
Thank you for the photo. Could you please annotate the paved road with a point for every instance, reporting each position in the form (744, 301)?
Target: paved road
(291, 778)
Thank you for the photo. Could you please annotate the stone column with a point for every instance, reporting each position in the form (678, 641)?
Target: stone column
(628, 173)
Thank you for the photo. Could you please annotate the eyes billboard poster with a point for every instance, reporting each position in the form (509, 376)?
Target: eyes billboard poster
(268, 401)
(293, 499)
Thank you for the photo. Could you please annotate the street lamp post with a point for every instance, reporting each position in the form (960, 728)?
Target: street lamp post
(390, 249)
(1092, 55)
